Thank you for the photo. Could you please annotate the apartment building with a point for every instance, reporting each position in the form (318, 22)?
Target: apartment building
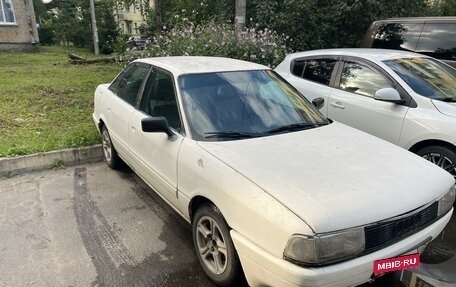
(131, 18)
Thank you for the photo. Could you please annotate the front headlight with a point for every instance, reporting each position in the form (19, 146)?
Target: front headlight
(446, 202)
(325, 248)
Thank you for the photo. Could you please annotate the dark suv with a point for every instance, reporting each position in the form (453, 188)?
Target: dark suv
(432, 36)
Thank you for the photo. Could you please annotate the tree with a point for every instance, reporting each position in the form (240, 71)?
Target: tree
(108, 31)
(444, 7)
(159, 14)
(43, 19)
(68, 22)
(71, 22)
(314, 24)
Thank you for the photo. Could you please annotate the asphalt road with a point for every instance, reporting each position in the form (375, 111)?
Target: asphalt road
(92, 226)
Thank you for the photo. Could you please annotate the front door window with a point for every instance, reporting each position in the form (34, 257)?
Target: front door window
(159, 98)
(359, 79)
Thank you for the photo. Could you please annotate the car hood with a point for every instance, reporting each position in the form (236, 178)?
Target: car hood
(445, 108)
(335, 177)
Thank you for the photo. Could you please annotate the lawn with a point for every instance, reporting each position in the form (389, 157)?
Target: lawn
(45, 102)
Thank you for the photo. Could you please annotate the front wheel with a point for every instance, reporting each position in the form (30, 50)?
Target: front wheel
(214, 247)
(441, 156)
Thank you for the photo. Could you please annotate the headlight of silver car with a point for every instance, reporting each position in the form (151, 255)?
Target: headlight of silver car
(324, 248)
(446, 202)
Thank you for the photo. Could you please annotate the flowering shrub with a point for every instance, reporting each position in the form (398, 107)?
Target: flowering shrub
(262, 46)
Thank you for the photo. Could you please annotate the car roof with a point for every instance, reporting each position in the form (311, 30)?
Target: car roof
(179, 65)
(419, 19)
(366, 53)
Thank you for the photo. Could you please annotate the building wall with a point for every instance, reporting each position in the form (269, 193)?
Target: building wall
(23, 33)
(130, 18)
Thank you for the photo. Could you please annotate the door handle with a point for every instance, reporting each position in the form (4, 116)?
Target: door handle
(109, 109)
(337, 105)
(133, 127)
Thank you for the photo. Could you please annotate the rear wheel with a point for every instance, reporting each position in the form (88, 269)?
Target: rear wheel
(110, 154)
(441, 156)
(214, 247)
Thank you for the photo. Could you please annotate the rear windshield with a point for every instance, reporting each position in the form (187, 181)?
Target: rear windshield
(427, 77)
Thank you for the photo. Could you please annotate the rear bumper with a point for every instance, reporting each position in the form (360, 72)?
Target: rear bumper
(263, 269)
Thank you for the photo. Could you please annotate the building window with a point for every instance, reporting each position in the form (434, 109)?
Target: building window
(6, 12)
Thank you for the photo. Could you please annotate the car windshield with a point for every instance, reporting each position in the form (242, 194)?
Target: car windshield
(427, 77)
(236, 105)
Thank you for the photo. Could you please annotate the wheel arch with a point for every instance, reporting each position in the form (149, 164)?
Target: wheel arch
(195, 203)
(101, 124)
(425, 143)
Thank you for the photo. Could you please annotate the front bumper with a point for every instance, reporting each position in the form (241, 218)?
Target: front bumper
(263, 269)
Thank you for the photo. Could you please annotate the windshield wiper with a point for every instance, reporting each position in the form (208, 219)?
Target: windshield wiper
(231, 135)
(296, 127)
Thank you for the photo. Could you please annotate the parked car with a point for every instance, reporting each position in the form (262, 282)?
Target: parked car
(137, 43)
(405, 98)
(269, 184)
(432, 36)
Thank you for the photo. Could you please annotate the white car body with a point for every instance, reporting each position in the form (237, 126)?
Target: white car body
(270, 188)
(426, 122)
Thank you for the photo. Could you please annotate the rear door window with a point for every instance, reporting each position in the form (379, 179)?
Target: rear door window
(397, 36)
(316, 70)
(128, 84)
(439, 41)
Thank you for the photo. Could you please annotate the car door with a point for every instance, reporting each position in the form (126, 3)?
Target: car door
(155, 154)
(312, 77)
(352, 101)
(122, 103)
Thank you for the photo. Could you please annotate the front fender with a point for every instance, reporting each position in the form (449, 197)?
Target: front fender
(247, 208)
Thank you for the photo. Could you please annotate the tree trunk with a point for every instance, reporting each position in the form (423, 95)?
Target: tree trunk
(158, 15)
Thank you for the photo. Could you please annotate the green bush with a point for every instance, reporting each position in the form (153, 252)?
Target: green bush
(262, 46)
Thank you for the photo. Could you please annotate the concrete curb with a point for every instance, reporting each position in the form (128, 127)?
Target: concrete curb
(15, 165)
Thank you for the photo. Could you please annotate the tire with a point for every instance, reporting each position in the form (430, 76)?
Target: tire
(214, 247)
(109, 153)
(441, 156)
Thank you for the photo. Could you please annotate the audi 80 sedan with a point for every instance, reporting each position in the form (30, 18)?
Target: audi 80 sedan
(272, 188)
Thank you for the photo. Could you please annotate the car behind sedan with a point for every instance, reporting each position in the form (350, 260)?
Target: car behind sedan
(270, 186)
(405, 98)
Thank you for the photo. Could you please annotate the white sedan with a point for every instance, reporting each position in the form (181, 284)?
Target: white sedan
(405, 98)
(270, 186)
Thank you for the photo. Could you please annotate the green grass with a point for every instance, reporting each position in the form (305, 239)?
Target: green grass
(45, 102)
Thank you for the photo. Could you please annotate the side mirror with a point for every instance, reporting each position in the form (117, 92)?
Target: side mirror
(388, 95)
(318, 102)
(156, 125)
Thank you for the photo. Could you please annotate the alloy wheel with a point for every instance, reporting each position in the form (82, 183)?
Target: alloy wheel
(107, 146)
(441, 161)
(211, 245)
